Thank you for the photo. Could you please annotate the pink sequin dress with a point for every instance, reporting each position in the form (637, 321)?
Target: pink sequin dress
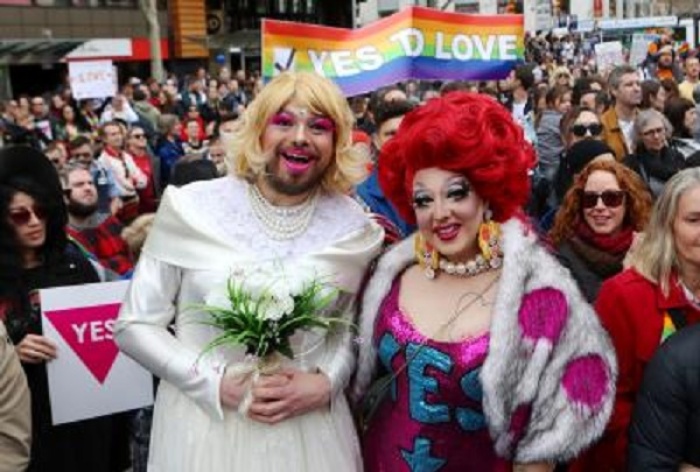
(432, 418)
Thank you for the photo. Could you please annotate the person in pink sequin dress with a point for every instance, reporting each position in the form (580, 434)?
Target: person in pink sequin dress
(485, 355)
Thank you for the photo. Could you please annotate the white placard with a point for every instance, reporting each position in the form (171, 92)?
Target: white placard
(543, 19)
(92, 79)
(609, 55)
(90, 377)
(640, 47)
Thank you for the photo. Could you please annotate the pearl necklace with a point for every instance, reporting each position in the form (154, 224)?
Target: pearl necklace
(281, 223)
(470, 268)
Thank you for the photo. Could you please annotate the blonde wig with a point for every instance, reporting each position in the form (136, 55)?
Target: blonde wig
(656, 258)
(246, 157)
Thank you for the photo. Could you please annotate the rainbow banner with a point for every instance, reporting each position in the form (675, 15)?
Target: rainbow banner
(416, 43)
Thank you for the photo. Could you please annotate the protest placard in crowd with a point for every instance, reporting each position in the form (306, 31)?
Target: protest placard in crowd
(416, 43)
(640, 47)
(609, 55)
(90, 377)
(92, 79)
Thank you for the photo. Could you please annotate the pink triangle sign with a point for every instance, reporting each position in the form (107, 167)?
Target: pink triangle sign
(88, 331)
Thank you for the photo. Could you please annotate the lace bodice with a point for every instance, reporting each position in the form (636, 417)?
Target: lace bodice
(227, 201)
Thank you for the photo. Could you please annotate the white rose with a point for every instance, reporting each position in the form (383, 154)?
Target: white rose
(278, 287)
(276, 308)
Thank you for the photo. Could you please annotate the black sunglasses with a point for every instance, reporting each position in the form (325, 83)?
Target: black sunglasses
(611, 198)
(22, 216)
(580, 130)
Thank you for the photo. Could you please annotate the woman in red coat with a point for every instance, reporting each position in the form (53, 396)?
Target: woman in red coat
(644, 305)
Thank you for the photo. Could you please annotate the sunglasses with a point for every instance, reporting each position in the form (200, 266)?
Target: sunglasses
(81, 155)
(23, 216)
(138, 136)
(611, 198)
(581, 130)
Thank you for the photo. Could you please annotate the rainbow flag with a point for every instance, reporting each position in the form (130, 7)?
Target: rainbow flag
(415, 43)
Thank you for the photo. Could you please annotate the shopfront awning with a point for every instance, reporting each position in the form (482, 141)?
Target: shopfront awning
(35, 51)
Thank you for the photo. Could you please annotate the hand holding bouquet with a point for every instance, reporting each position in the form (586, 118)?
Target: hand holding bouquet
(262, 310)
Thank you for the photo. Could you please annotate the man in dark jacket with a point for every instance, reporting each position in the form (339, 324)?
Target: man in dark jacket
(665, 430)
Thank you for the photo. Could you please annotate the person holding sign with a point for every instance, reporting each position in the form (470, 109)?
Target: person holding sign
(36, 255)
(285, 206)
(492, 359)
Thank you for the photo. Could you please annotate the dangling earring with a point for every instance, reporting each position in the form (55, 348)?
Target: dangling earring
(428, 258)
(489, 240)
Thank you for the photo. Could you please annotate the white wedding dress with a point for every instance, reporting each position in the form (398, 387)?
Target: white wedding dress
(202, 234)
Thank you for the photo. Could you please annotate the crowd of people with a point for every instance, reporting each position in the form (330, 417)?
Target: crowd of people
(513, 254)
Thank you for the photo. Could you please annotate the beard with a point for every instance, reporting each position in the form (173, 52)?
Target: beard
(81, 210)
(291, 186)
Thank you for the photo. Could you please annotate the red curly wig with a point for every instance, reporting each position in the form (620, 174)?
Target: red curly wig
(462, 132)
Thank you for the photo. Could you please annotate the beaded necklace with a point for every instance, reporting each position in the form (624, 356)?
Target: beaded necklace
(281, 223)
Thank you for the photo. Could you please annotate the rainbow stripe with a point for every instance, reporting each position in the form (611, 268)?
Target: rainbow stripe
(669, 327)
(416, 43)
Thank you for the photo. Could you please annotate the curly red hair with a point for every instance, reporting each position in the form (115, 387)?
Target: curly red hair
(638, 202)
(466, 133)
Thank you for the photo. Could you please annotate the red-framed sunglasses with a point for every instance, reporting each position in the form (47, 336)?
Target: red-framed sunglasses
(23, 216)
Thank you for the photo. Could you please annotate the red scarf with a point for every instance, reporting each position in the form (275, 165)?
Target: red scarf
(618, 243)
(110, 151)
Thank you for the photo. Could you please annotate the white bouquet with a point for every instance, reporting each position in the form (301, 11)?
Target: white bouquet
(261, 310)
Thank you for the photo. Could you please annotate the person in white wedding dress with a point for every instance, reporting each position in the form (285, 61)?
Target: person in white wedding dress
(285, 205)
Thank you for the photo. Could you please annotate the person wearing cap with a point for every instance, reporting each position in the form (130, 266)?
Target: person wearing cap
(577, 157)
(666, 65)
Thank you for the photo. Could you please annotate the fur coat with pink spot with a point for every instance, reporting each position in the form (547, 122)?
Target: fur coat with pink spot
(549, 377)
